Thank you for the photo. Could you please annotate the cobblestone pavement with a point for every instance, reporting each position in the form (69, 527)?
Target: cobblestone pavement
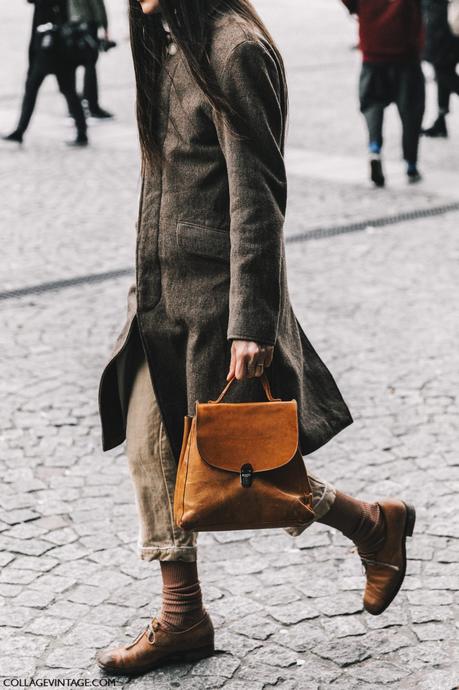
(381, 308)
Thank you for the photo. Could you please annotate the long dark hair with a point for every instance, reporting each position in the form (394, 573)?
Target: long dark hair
(190, 24)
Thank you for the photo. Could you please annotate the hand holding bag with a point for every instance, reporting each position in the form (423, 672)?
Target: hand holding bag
(240, 467)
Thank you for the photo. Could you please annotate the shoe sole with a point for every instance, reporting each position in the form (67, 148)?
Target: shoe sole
(191, 655)
(410, 521)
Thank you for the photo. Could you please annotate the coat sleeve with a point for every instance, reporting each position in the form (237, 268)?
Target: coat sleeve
(257, 186)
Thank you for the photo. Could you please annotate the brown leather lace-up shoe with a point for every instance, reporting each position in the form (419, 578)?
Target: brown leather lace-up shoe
(385, 569)
(155, 647)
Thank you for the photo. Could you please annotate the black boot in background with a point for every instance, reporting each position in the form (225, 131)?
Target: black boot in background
(15, 136)
(81, 141)
(376, 171)
(438, 129)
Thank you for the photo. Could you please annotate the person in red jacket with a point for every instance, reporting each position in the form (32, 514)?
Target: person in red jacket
(391, 41)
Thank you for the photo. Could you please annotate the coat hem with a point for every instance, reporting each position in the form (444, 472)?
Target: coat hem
(307, 447)
(112, 443)
(116, 422)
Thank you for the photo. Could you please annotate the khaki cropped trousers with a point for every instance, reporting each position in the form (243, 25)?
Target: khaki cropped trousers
(153, 467)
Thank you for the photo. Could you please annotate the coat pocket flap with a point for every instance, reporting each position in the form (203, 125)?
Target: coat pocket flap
(263, 435)
(204, 241)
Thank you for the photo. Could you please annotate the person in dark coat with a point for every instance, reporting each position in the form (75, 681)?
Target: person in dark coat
(46, 58)
(442, 51)
(92, 12)
(211, 302)
(391, 37)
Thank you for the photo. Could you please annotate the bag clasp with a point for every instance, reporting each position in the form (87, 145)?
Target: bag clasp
(246, 475)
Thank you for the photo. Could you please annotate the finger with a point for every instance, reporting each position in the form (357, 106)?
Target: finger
(232, 366)
(259, 369)
(251, 367)
(241, 368)
(269, 357)
(256, 362)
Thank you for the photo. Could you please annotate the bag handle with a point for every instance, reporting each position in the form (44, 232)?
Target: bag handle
(264, 382)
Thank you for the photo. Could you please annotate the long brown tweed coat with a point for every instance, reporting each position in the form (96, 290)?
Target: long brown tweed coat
(210, 251)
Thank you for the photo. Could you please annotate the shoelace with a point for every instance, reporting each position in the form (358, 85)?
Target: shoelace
(151, 629)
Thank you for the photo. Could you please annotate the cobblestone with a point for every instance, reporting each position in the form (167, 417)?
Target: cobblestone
(223, 665)
(380, 306)
(70, 657)
(23, 646)
(379, 672)
(18, 666)
(291, 613)
(343, 652)
(35, 598)
(50, 625)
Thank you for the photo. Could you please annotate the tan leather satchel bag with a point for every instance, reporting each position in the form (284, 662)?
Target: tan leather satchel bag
(240, 467)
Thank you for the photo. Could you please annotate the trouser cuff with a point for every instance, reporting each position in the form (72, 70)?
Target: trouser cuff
(323, 497)
(167, 553)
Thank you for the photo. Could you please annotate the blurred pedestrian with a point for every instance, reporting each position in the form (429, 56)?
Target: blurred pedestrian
(92, 12)
(391, 38)
(442, 51)
(46, 57)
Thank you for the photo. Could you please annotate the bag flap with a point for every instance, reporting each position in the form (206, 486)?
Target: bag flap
(264, 435)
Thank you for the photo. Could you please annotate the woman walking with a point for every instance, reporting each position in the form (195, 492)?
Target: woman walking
(211, 301)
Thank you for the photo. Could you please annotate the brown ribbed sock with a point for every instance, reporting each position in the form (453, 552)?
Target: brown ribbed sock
(182, 598)
(361, 522)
